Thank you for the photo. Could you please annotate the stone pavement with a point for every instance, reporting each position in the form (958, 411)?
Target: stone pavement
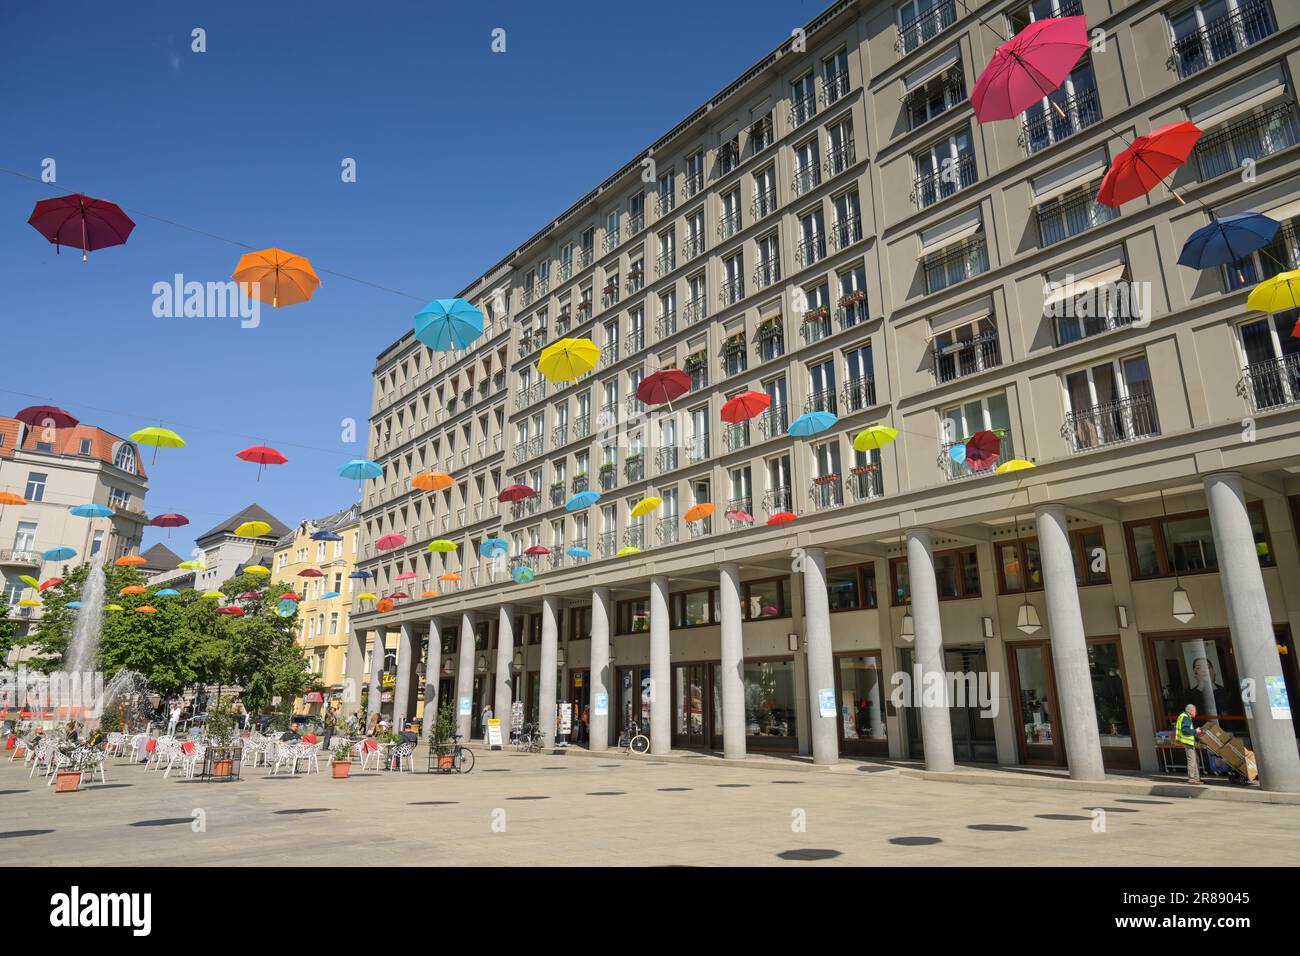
(590, 809)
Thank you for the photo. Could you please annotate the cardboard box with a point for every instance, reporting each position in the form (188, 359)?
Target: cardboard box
(1236, 754)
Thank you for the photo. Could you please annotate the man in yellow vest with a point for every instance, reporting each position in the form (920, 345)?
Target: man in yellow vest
(1186, 733)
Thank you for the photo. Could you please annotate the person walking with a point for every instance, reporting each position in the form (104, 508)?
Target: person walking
(174, 720)
(1185, 730)
(331, 720)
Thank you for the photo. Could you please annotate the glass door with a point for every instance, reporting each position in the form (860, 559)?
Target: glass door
(1035, 703)
(691, 710)
(862, 696)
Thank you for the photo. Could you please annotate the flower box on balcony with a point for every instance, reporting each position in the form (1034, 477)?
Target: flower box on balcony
(816, 315)
(864, 469)
(736, 341)
(767, 330)
(557, 486)
(611, 288)
(852, 298)
(826, 479)
(634, 275)
(694, 363)
(608, 469)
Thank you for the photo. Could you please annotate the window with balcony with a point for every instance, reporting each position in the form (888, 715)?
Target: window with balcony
(697, 446)
(859, 380)
(666, 261)
(665, 197)
(769, 337)
(847, 226)
(966, 349)
(666, 323)
(694, 235)
(1071, 108)
(764, 203)
(955, 262)
(729, 222)
(1027, 13)
(943, 168)
(586, 247)
(635, 276)
(864, 481)
(1094, 300)
(728, 155)
(732, 358)
(835, 76)
(693, 179)
(761, 134)
(1254, 135)
(807, 171)
(733, 279)
(827, 489)
(1205, 32)
(610, 294)
(959, 423)
(1109, 404)
(697, 306)
(816, 320)
(697, 367)
(934, 88)
(768, 270)
(1271, 373)
(853, 297)
(1280, 255)
(803, 99)
(812, 238)
(821, 387)
(839, 149)
(920, 21)
(635, 214)
(1071, 213)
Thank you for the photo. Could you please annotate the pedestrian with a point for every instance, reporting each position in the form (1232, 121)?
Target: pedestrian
(175, 719)
(484, 718)
(583, 728)
(1185, 730)
(330, 721)
(372, 730)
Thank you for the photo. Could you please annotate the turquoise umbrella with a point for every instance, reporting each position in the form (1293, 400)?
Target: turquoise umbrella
(583, 499)
(73, 604)
(494, 547)
(581, 554)
(91, 511)
(522, 574)
(59, 554)
(446, 325)
(331, 594)
(359, 469)
(167, 592)
(286, 608)
(957, 453)
(811, 423)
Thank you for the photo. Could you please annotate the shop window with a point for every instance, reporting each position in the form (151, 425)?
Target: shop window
(770, 699)
(863, 693)
(764, 599)
(851, 588)
(1087, 548)
(1200, 671)
(956, 574)
(1184, 543)
(579, 622)
(694, 608)
(633, 617)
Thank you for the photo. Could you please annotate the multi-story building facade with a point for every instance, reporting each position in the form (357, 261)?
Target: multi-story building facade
(224, 554)
(835, 229)
(54, 470)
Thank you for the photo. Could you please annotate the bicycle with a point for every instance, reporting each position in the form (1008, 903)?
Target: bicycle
(455, 758)
(632, 740)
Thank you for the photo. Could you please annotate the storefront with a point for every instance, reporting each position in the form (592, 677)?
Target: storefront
(771, 714)
(860, 689)
(972, 734)
(633, 699)
(697, 707)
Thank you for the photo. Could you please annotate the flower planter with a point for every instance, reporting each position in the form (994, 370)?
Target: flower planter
(826, 479)
(66, 781)
(444, 759)
(222, 768)
(20, 752)
(340, 768)
(863, 469)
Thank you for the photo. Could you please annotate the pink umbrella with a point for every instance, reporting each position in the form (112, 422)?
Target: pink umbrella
(1028, 67)
(405, 576)
(390, 541)
(982, 450)
(736, 514)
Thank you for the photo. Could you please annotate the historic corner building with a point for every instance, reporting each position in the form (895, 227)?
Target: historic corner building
(834, 229)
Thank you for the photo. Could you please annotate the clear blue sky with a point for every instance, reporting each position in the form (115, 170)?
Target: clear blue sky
(461, 154)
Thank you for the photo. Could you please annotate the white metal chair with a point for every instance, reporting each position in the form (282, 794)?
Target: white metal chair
(370, 754)
(137, 746)
(402, 756)
(116, 745)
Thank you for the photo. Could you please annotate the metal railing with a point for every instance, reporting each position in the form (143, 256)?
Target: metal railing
(769, 344)
(735, 436)
(926, 27)
(732, 291)
(969, 467)
(581, 427)
(1221, 37)
(826, 493)
(634, 283)
(952, 176)
(865, 485)
(608, 477)
(967, 357)
(803, 109)
(665, 263)
(693, 247)
(834, 86)
(634, 342)
(729, 224)
(732, 361)
(763, 203)
(838, 159)
(697, 448)
(858, 395)
(777, 499)
(635, 223)
(666, 458)
(607, 544)
(815, 326)
(667, 530)
(699, 374)
(745, 504)
(1255, 136)
(845, 233)
(692, 183)
(773, 421)
(611, 240)
(579, 483)
(695, 310)
(822, 400)
(701, 527)
(634, 536)
(557, 494)
(1072, 214)
(949, 88)
(965, 260)
(666, 324)
(855, 313)
(665, 202)
(767, 273)
(806, 180)
(634, 467)
(1111, 423)
(1045, 127)
(811, 250)
(559, 435)
(1271, 384)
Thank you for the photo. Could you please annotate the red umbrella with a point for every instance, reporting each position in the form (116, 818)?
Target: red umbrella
(390, 541)
(249, 596)
(50, 583)
(399, 594)
(1137, 170)
(81, 222)
(659, 388)
(261, 455)
(516, 493)
(232, 611)
(745, 406)
(1028, 67)
(46, 416)
(982, 450)
(289, 597)
(169, 521)
(537, 549)
(781, 517)
(311, 573)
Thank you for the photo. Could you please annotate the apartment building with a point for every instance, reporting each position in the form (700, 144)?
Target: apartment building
(225, 554)
(834, 229)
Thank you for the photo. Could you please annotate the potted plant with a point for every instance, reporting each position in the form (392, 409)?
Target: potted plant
(223, 738)
(67, 780)
(341, 765)
(849, 299)
(694, 363)
(817, 314)
(864, 469)
(444, 726)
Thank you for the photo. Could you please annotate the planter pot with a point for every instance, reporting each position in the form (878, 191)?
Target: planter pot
(19, 752)
(221, 768)
(444, 761)
(67, 781)
(341, 768)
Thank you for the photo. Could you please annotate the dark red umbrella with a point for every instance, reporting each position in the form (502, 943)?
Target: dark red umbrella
(310, 573)
(745, 406)
(537, 549)
(46, 416)
(982, 450)
(515, 493)
(1137, 170)
(781, 517)
(250, 596)
(659, 388)
(396, 595)
(261, 455)
(169, 521)
(81, 222)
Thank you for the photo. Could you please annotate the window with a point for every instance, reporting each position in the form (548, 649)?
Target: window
(125, 458)
(760, 132)
(693, 181)
(1087, 548)
(769, 261)
(803, 100)
(1272, 360)
(1184, 543)
(694, 608)
(956, 575)
(768, 598)
(920, 21)
(847, 228)
(835, 76)
(954, 262)
(1096, 301)
(86, 447)
(35, 486)
(665, 198)
(934, 89)
(943, 168)
(1110, 403)
(852, 588)
(694, 234)
(1071, 213)
(961, 422)
(1279, 255)
(807, 170)
(1207, 31)
(729, 154)
(1250, 119)
(812, 238)
(633, 617)
(733, 279)
(1072, 107)
(764, 192)
(25, 537)
(966, 349)
(729, 223)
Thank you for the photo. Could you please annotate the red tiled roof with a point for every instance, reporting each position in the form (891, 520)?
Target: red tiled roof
(67, 441)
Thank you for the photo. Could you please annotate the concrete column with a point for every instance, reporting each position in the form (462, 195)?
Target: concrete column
(821, 663)
(732, 671)
(356, 669)
(546, 679)
(661, 668)
(601, 678)
(1253, 640)
(378, 638)
(1076, 710)
(405, 663)
(432, 670)
(505, 690)
(936, 726)
(465, 676)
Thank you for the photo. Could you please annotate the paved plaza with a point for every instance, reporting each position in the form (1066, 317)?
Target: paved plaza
(583, 809)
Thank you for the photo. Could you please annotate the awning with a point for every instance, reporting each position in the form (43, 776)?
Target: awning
(1073, 175)
(1288, 210)
(1084, 284)
(1242, 97)
(919, 77)
(950, 233)
(313, 697)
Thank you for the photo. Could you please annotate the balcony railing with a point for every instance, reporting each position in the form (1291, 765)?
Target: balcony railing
(769, 342)
(729, 224)
(534, 393)
(634, 536)
(816, 325)
(956, 471)
(953, 175)
(1070, 215)
(1272, 384)
(559, 435)
(1221, 37)
(17, 556)
(666, 459)
(1042, 128)
(611, 240)
(668, 530)
(811, 250)
(845, 233)
(585, 256)
(566, 269)
(665, 202)
(967, 357)
(866, 484)
(634, 342)
(666, 324)
(693, 247)
(926, 27)
(1111, 423)
(767, 274)
(777, 499)
(763, 204)
(579, 483)
(854, 313)
(581, 427)
(699, 373)
(942, 93)
(838, 159)
(634, 467)
(607, 544)
(859, 394)
(524, 507)
(692, 183)
(735, 436)
(665, 263)
(609, 352)
(774, 421)
(806, 180)
(803, 109)
(557, 494)
(697, 448)
(967, 259)
(821, 400)
(609, 415)
(834, 86)
(745, 504)
(732, 291)
(635, 282)
(695, 310)
(1255, 137)
(701, 528)
(635, 223)
(520, 453)
(633, 405)
(608, 477)
(732, 360)
(826, 493)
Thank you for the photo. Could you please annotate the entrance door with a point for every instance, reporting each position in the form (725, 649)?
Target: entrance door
(972, 735)
(633, 698)
(1035, 702)
(579, 691)
(445, 693)
(691, 712)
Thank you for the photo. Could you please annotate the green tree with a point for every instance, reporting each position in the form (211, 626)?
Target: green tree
(8, 631)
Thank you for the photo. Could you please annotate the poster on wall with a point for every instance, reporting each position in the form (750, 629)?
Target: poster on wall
(1278, 702)
(465, 709)
(601, 705)
(826, 701)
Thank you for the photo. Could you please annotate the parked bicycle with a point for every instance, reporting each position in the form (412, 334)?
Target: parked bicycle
(454, 758)
(632, 740)
(529, 739)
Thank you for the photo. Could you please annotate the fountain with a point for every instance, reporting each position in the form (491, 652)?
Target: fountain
(83, 650)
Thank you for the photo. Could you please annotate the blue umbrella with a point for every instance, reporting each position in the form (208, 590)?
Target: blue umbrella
(583, 499)
(167, 592)
(581, 554)
(1227, 240)
(331, 594)
(957, 453)
(360, 575)
(446, 325)
(73, 604)
(286, 608)
(359, 469)
(326, 536)
(59, 554)
(92, 511)
(522, 574)
(494, 547)
(811, 423)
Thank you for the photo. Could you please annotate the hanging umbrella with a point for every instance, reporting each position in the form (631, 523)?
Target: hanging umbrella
(288, 597)
(384, 604)
(432, 481)
(258, 570)
(1137, 170)
(9, 498)
(59, 554)
(112, 607)
(745, 406)
(627, 550)
(329, 594)
(210, 595)
(29, 602)
(428, 594)
(583, 499)
(46, 416)
(261, 455)
(169, 521)
(645, 506)
(1013, 464)
(700, 512)
(167, 592)
(522, 574)
(873, 437)
(536, 551)
(250, 596)
(450, 576)
(73, 604)
(1277, 294)
(192, 566)
(1227, 240)
(739, 515)
(91, 511)
(232, 611)
(957, 453)
(286, 608)
(811, 423)
(399, 594)
(132, 589)
(275, 276)
(781, 517)
(567, 360)
(28, 580)
(442, 546)
(360, 575)
(494, 548)
(359, 469)
(311, 573)
(578, 553)
(146, 609)
(446, 325)
(159, 438)
(982, 450)
(405, 576)
(326, 536)
(366, 597)
(253, 529)
(130, 561)
(81, 222)
(390, 541)
(515, 493)
(46, 585)
(1028, 67)
(664, 386)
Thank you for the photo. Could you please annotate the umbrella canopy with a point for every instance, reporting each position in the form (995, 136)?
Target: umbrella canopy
(578, 553)
(583, 499)
(81, 222)
(329, 594)
(432, 481)
(781, 517)
(537, 550)
(359, 469)
(1277, 294)
(112, 607)
(232, 611)
(740, 515)
(494, 547)
(645, 506)
(384, 604)
(28, 580)
(132, 589)
(811, 423)
(9, 498)
(957, 453)
(515, 493)
(568, 359)
(91, 511)
(311, 573)
(253, 529)
(288, 597)
(443, 546)
(522, 574)
(46, 416)
(50, 583)
(1028, 67)
(1014, 464)
(326, 536)
(449, 576)
(982, 450)
(73, 604)
(745, 406)
(191, 565)
(29, 602)
(257, 570)
(1227, 239)
(405, 576)
(666, 385)
(627, 550)
(366, 597)
(249, 596)
(446, 325)
(873, 437)
(167, 592)
(390, 541)
(286, 608)
(158, 437)
(130, 561)
(146, 609)
(212, 595)
(261, 455)
(360, 575)
(59, 554)
(276, 276)
(169, 520)
(428, 594)
(700, 512)
(1137, 170)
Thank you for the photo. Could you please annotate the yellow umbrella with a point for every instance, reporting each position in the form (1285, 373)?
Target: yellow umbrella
(191, 566)
(112, 607)
(1014, 464)
(624, 552)
(442, 546)
(217, 595)
(253, 529)
(568, 359)
(29, 602)
(366, 597)
(873, 437)
(159, 438)
(645, 506)
(1277, 294)
(257, 569)
(28, 580)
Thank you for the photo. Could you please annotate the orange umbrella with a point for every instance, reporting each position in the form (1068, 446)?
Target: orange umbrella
(9, 498)
(450, 576)
(130, 561)
(276, 276)
(432, 481)
(383, 604)
(428, 594)
(700, 512)
(147, 609)
(132, 589)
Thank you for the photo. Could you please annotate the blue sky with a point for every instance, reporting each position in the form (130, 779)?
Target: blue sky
(461, 153)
